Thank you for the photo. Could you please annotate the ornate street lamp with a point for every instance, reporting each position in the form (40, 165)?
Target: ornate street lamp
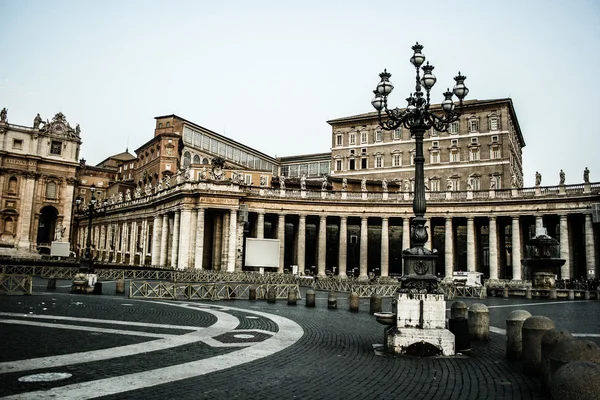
(419, 262)
(86, 262)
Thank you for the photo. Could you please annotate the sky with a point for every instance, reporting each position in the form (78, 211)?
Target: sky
(269, 74)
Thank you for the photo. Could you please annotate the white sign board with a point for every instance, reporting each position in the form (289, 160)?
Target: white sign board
(262, 252)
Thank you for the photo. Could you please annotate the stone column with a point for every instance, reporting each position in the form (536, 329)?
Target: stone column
(471, 267)
(281, 237)
(322, 250)
(364, 250)
(133, 242)
(217, 243)
(301, 244)
(449, 249)
(163, 240)
(176, 232)
(156, 227)
(199, 254)
(225, 242)
(493, 245)
(516, 248)
(343, 250)
(124, 241)
(260, 225)
(565, 270)
(232, 243)
(24, 226)
(109, 233)
(144, 244)
(590, 249)
(385, 247)
(184, 239)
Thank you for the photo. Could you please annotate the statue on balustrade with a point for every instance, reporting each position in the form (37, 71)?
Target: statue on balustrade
(344, 184)
(586, 175)
(303, 182)
(363, 184)
(384, 185)
(562, 177)
(37, 121)
(282, 182)
(538, 178)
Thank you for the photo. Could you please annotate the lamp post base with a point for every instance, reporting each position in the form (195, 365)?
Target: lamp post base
(86, 265)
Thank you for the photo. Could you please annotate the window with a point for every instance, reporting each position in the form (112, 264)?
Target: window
(475, 183)
(352, 152)
(495, 139)
(351, 165)
(364, 163)
(168, 124)
(412, 157)
(248, 179)
(55, 147)
(495, 152)
(397, 133)
(453, 184)
(497, 180)
(363, 137)
(50, 190)
(352, 138)
(433, 132)
(474, 140)
(493, 122)
(434, 185)
(473, 125)
(378, 136)
(474, 154)
(454, 142)
(435, 144)
(396, 160)
(159, 125)
(379, 161)
(434, 157)
(454, 155)
(363, 150)
(338, 165)
(196, 159)
(453, 128)
(9, 225)
(17, 144)
(187, 159)
(12, 185)
(338, 140)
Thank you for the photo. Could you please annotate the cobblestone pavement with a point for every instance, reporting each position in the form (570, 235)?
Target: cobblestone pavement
(118, 348)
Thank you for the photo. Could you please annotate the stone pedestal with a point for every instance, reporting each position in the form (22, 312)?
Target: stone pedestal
(420, 326)
(543, 280)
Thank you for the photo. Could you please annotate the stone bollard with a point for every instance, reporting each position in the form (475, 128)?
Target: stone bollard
(514, 338)
(571, 294)
(576, 380)
(479, 322)
(292, 297)
(375, 303)
(552, 294)
(459, 326)
(252, 293)
(550, 340)
(458, 309)
(120, 289)
(310, 298)
(572, 350)
(271, 295)
(528, 293)
(331, 300)
(505, 292)
(51, 283)
(532, 332)
(353, 300)
(586, 295)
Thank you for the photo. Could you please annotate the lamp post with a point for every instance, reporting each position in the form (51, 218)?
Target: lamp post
(86, 262)
(419, 262)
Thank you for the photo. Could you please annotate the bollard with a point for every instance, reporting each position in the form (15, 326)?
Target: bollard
(332, 300)
(458, 309)
(271, 295)
(292, 297)
(532, 332)
(120, 289)
(576, 380)
(353, 300)
(375, 303)
(310, 298)
(572, 350)
(550, 340)
(571, 294)
(252, 293)
(553, 295)
(505, 293)
(459, 326)
(514, 339)
(51, 283)
(528, 293)
(586, 295)
(98, 288)
(479, 322)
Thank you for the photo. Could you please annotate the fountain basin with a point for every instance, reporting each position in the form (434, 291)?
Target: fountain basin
(385, 318)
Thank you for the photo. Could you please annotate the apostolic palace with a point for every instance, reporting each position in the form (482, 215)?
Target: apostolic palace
(189, 197)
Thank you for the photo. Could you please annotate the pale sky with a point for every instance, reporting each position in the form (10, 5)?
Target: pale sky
(269, 74)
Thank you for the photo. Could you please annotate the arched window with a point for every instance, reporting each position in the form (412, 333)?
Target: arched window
(196, 159)
(12, 185)
(205, 161)
(187, 159)
(50, 190)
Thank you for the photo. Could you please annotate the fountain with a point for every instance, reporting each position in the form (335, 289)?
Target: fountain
(542, 263)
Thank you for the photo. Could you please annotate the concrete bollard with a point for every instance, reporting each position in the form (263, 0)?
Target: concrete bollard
(514, 339)
(292, 297)
(571, 294)
(51, 283)
(310, 298)
(552, 294)
(532, 332)
(459, 326)
(375, 304)
(353, 301)
(572, 350)
(252, 293)
(120, 289)
(528, 293)
(479, 322)
(458, 309)
(586, 295)
(271, 295)
(332, 300)
(576, 380)
(550, 340)
(505, 292)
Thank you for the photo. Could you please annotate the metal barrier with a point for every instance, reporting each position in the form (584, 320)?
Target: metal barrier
(16, 284)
